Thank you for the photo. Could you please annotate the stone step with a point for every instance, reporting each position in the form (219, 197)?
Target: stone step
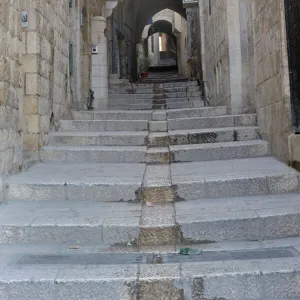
(131, 107)
(219, 151)
(131, 96)
(255, 218)
(169, 105)
(123, 101)
(140, 154)
(118, 114)
(77, 182)
(184, 105)
(105, 125)
(230, 178)
(203, 136)
(212, 122)
(177, 89)
(112, 115)
(105, 138)
(240, 218)
(258, 279)
(197, 112)
(182, 94)
(115, 182)
(69, 222)
(180, 84)
(94, 154)
(149, 90)
(174, 105)
(162, 80)
(129, 90)
(150, 96)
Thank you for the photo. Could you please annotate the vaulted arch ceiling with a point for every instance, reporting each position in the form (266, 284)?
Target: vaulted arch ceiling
(145, 9)
(162, 26)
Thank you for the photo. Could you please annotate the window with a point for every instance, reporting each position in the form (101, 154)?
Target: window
(209, 6)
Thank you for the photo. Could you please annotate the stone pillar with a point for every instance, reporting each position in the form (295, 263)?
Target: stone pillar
(122, 46)
(194, 50)
(141, 54)
(235, 56)
(100, 64)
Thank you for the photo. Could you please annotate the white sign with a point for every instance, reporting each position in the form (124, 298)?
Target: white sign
(190, 3)
(24, 17)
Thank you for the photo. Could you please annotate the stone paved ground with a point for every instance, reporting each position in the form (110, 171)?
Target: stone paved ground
(171, 174)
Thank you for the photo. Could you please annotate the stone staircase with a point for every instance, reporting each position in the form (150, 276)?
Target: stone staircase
(118, 193)
(155, 96)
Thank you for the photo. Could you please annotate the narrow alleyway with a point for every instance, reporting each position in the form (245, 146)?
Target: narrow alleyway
(119, 192)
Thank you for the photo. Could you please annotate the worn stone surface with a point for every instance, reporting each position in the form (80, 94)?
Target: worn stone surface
(233, 178)
(11, 89)
(102, 182)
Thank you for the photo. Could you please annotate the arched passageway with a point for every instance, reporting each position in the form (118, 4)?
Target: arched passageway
(164, 42)
(146, 9)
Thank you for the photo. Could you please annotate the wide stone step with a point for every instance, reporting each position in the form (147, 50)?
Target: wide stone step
(253, 278)
(182, 94)
(177, 89)
(129, 90)
(180, 84)
(203, 136)
(112, 115)
(97, 154)
(140, 154)
(127, 101)
(219, 151)
(105, 138)
(131, 96)
(253, 218)
(212, 122)
(105, 125)
(131, 106)
(69, 222)
(197, 112)
(69, 181)
(236, 177)
(181, 105)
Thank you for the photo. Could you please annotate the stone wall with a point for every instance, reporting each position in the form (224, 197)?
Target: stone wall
(49, 91)
(269, 74)
(215, 56)
(11, 89)
(180, 30)
(225, 61)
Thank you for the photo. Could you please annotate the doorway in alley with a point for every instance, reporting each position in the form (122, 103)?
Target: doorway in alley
(292, 11)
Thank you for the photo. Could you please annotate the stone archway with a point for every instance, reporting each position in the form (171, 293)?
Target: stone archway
(147, 9)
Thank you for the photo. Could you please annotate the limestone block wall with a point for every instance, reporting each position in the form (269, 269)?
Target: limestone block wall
(269, 78)
(11, 89)
(216, 48)
(180, 30)
(85, 49)
(50, 86)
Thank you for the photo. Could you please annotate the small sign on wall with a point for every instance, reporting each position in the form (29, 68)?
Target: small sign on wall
(24, 18)
(94, 49)
(190, 3)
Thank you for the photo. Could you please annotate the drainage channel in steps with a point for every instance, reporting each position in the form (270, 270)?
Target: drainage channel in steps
(164, 258)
